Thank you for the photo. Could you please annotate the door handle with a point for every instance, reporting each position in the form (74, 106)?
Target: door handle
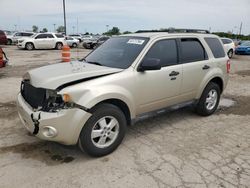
(174, 73)
(206, 67)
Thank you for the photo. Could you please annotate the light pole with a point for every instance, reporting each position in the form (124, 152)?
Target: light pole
(73, 27)
(15, 26)
(107, 27)
(64, 15)
(54, 27)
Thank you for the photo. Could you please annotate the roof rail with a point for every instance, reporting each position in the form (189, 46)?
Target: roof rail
(175, 31)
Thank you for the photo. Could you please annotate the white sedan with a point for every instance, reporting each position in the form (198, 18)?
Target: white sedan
(228, 46)
(42, 41)
(72, 42)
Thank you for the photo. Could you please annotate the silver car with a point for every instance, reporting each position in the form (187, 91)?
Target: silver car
(91, 102)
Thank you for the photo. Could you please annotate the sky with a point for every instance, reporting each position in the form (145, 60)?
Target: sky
(129, 15)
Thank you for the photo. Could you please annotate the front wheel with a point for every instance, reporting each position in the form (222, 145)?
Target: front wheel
(209, 100)
(104, 131)
(29, 46)
(59, 46)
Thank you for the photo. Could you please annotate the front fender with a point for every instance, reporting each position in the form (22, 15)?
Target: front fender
(92, 97)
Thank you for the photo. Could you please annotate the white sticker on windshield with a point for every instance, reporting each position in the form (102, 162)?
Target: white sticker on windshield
(136, 41)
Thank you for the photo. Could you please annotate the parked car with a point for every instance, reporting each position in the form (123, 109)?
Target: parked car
(87, 37)
(42, 41)
(77, 36)
(229, 46)
(91, 102)
(91, 44)
(243, 48)
(72, 42)
(12, 39)
(3, 38)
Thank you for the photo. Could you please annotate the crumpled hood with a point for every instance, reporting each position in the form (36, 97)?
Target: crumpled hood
(56, 75)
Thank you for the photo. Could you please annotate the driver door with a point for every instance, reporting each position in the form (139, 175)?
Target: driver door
(40, 41)
(160, 88)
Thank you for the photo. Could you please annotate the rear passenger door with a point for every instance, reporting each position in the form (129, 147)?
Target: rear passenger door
(194, 59)
(160, 88)
(50, 41)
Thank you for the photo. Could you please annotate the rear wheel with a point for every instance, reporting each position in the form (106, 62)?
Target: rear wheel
(29, 46)
(104, 131)
(209, 100)
(59, 46)
(74, 45)
(230, 53)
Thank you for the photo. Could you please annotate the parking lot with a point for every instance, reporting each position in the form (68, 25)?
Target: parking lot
(174, 149)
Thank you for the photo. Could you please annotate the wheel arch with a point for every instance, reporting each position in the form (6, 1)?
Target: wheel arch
(217, 79)
(118, 103)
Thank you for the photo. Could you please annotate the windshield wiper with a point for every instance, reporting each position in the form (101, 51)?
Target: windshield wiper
(95, 63)
(91, 62)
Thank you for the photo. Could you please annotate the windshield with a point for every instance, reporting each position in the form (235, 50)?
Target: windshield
(117, 52)
(247, 43)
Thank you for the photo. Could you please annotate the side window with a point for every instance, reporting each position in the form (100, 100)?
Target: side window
(192, 50)
(18, 34)
(49, 36)
(27, 34)
(165, 51)
(216, 47)
(60, 36)
(41, 36)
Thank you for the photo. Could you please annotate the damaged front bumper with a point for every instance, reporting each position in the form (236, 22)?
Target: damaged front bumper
(63, 126)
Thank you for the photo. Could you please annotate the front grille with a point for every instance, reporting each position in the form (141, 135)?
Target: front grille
(35, 97)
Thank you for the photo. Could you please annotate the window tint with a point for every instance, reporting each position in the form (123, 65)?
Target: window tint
(18, 34)
(165, 51)
(216, 47)
(41, 36)
(27, 34)
(50, 36)
(226, 41)
(60, 36)
(192, 50)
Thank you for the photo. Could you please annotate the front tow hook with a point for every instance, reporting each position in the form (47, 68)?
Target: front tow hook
(36, 123)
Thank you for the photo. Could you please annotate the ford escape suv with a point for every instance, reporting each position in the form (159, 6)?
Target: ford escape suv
(91, 102)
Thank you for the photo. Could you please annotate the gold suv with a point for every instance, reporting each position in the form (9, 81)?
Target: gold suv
(91, 102)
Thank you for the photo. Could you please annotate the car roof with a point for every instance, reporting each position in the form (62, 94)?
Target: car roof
(153, 35)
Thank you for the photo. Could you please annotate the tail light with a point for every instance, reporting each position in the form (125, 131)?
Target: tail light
(228, 66)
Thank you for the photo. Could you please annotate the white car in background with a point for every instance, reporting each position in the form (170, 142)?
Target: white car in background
(72, 42)
(229, 46)
(13, 38)
(77, 36)
(42, 41)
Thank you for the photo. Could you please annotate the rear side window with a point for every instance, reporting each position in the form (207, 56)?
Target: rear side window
(192, 50)
(226, 41)
(60, 36)
(216, 47)
(50, 36)
(27, 34)
(165, 51)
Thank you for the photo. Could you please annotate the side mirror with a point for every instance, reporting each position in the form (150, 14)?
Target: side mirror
(148, 64)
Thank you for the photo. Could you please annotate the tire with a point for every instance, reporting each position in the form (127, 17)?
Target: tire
(96, 138)
(74, 45)
(230, 53)
(9, 42)
(29, 46)
(205, 108)
(59, 45)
